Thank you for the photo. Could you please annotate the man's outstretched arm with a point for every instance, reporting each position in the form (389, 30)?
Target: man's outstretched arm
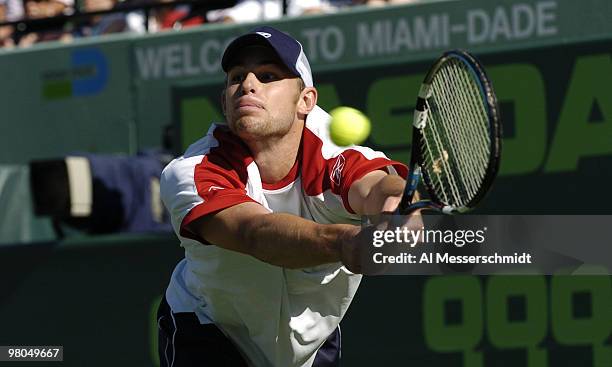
(279, 239)
(289, 241)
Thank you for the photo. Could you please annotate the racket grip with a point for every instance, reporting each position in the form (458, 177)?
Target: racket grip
(414, 181)
(411, 185)
(422, 204)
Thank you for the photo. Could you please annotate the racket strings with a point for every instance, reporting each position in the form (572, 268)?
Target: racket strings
(453, 176)
(480, 130)
(466, 176)
(432, 165)
(473, 150)
(462, 154)
(463, 137)
(440, 166)
(456, 142)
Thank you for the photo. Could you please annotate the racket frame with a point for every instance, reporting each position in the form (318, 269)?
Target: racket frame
(421, 115)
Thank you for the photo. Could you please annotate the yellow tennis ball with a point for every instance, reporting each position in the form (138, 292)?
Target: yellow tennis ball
(348, 126)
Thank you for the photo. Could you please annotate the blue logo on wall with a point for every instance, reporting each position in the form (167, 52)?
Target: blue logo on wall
(87, 76)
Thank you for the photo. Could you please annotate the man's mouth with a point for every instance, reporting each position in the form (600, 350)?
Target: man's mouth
(248, 104)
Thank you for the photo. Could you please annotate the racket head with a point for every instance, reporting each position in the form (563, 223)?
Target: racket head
(456, 134)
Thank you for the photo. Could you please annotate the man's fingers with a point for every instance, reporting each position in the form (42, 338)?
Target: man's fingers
(392, 185)
(391, 203)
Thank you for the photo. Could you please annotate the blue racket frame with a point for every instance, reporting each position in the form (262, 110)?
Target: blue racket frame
(416, 172)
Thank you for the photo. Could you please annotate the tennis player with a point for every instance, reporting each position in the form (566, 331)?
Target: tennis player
(267, 209)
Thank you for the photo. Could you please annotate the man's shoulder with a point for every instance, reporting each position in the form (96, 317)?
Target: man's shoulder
(216, 137)
(218, 151)
(195, 152)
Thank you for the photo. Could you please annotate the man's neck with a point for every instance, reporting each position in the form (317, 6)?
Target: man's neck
(275, 158)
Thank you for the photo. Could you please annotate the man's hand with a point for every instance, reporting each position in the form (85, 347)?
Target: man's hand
(357, 247)
(376, 195)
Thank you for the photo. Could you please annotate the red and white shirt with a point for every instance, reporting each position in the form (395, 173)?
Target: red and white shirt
(276, 316)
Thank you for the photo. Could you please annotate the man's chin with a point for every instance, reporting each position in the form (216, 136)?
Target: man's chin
(248, 130)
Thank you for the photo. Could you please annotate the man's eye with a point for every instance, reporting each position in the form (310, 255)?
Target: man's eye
(267, 77)
(236, 78)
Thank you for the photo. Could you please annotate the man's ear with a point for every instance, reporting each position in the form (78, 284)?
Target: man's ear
(308, 100)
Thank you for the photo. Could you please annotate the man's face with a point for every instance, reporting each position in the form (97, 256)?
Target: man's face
(261, 95)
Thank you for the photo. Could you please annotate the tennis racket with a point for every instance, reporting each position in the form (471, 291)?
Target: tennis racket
(456, 142)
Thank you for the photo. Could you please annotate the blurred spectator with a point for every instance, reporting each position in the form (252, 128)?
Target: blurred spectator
(173, 16)
(108, 23)
(303, 7)
(11, 10)
(38, 9)
(179, 17)
(6, 39)
(385, 2)
(258, 10)
(6, 32)
(248, 11)
(167, 17)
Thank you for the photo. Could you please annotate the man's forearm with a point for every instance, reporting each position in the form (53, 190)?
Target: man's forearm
(293, 242)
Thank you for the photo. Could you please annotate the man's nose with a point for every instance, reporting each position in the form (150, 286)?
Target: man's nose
(250, 83)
